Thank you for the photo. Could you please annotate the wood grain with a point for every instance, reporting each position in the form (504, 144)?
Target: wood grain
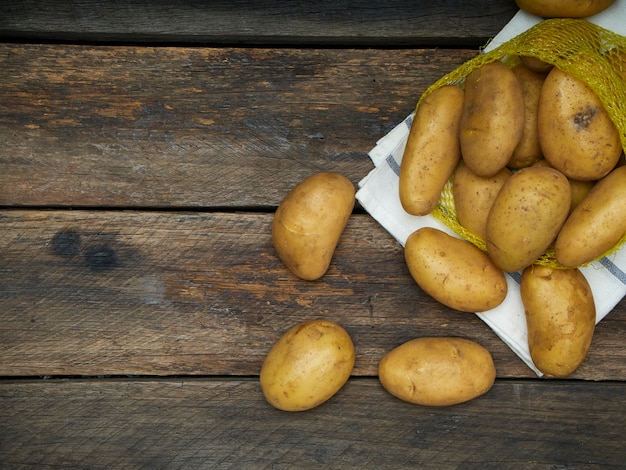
(225, 423)
(326, 22)
(144, 146)
(169, 293)
(85, 126)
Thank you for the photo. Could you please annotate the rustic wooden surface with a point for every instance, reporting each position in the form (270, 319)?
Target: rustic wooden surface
(193, 127)
(208, 423)
(143, 149)
(323, 22)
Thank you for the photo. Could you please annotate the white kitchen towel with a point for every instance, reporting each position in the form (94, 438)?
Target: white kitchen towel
(378, 194)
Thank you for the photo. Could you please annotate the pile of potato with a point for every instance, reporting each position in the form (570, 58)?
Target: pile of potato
(529, 148)
(536, 165)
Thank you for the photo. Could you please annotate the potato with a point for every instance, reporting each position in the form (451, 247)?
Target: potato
(493, 118)
(528, 150)
(432, 150)
(474, 195)
(543, 162)
(535, 64)
(453, 271)
(309, 222)
(561, 317)
(564, 8)
(597, 224)
(580, 189)
(437, 371)
(526, 216)
(576, 133)
(307, 365)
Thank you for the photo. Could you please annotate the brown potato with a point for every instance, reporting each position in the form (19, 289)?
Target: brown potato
(564, 8)
(580, 189)
(535, 64)
(309, 222)
(474, 196)
(576, 133)
(561, 318)
(453, 271)
(597, 224)
(526, 216)
(432, 150)
(437, 371)
(493, 118)
(307, 365)
(543, 162)
(528, 150)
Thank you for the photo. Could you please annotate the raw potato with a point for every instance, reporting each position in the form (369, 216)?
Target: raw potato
(307, 365)
(528, 150)
(580, 189)
(576, 133)
(542, 162)
(309, 222)
(453, 271)
(493, 118)
(474, 196)
(597, 224)
(432, 150)
(535, 64)
(564, 8)
(437, 371)
(561, 318)
(526, 216)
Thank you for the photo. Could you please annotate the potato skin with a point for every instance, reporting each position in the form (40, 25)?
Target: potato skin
(580, 189)
(453, 271)
(526, 216)
(564, 8)
(535, 64)
(432, 150)
(596, 224)
(493, 118)
(307, 365)
(561, 316)
(437, 371)
(309, 222)
(474, 196)
(576, 133)
(528, 150)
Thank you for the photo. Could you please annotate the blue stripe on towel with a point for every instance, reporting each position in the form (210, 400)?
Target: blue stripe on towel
(613, 269)
(516, 276)
(393, 164)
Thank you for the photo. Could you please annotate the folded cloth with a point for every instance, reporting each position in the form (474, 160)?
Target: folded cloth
(378, 194)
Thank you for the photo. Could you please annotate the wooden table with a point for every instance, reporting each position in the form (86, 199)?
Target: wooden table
(144, 147)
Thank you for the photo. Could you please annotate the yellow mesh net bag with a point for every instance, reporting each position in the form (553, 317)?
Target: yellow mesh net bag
(595, 55)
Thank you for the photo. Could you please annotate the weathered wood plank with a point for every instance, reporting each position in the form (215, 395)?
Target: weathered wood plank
(167, 293)
(326, 22)
(194, 127)
(221, 423)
